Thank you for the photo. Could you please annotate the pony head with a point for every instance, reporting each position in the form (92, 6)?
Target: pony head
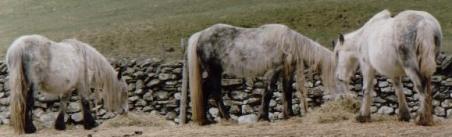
(122, 87)
(346, 61)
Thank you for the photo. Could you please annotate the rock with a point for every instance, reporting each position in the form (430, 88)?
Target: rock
(139, 84)
(214, 112)
(4, 101)
(73, 107)
(385, 110)
(439, 111)
(153, 82)
(162, 95)
(139, 75)
(386, 89)
(407, 91)
(170, 115)
(165, 76)
(247, 119)
(231, 82)
(239, 95)
(392, 98)
(148, 96)
(133, 98)
(47, 98)
(140, 103)
(449, 113)
(234, 109)
(77, 117)
(246, 109)
(272, 103)
(178, 95)
(48, 119)
(446, 103)
(253, 101)
(383, 84)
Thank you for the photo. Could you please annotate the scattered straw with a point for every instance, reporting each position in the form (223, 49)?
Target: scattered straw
(337, 110)
(136, 119)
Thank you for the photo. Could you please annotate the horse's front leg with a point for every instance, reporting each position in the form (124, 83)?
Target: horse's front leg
(59, 122)
(368, 79)
(271, 79)
(88, 119)
(29, 126)
(404, 113)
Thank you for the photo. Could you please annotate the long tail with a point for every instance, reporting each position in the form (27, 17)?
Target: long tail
(18, 85)
(428, 37)
(194, 71)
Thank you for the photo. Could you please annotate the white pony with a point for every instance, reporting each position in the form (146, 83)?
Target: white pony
(406, 44)
(273, 49)
(37, 63)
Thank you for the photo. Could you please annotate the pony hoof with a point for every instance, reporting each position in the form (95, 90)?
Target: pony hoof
(363, 119)
(405, 118)
(263, 118)
(90, 126)
(60, 126)
(30, 129)
(424, 123)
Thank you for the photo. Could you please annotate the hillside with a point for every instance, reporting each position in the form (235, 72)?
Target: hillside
(151, 28)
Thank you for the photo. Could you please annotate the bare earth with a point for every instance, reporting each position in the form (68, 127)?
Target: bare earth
(291, 127)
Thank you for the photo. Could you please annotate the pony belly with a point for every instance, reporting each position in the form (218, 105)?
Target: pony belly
(387, 67)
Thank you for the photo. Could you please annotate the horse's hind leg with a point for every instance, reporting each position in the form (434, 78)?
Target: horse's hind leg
(287, 92)
(272, 78)
(29, 126)
(423, 86)
(404, 113)
(214, 81)
(59, 122)
(368, 77)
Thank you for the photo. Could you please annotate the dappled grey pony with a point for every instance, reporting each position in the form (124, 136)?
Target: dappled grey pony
(273, 50)
(406, 44)
(37, 63)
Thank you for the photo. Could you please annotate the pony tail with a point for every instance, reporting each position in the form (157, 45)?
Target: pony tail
(194, 75)
(18, 85)
(429, 39)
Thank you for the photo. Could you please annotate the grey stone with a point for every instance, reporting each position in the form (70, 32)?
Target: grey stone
(165, 76)
(247, 119)
(133, 98)
(139, 84)
(214, 111)
(153, 82)
(386, 89)
(385, 110)
(246, 109)
(439, 111)
(407, 91)
(392, 98)
(383, 84)
(4, 101)
(170, 115)
(231, 82)
(239, 95)
(139, 92)
(162, 95)
(73, 107)
(148, 96)
(77, 117)
(446, 103)
(48, 119)
(140, 103)
(178, 95)
(449, 113)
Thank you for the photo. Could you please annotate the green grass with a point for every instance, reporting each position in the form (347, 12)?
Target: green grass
(146, 28)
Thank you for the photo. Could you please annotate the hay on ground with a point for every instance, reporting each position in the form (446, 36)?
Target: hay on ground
(136, 119)
(333, 111)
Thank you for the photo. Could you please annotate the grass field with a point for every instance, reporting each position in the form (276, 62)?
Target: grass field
(150, 28)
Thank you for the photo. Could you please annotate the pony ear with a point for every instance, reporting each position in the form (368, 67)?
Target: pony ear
(341, 38)
(334, 43)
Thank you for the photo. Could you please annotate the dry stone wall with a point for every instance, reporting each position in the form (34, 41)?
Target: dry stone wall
(154, 87)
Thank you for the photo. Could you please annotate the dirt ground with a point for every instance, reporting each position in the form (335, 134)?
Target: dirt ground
(292, 127)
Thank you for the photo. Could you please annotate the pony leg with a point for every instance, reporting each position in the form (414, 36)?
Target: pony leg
(272, 78)
(404, 113)
(59, 122)
(368, 80)
(29, 126)
(287, 92)
(88, 120)
(214, 81)
(423, 86)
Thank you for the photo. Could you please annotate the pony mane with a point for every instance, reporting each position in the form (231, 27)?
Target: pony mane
(102, 74)
(308, 52)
